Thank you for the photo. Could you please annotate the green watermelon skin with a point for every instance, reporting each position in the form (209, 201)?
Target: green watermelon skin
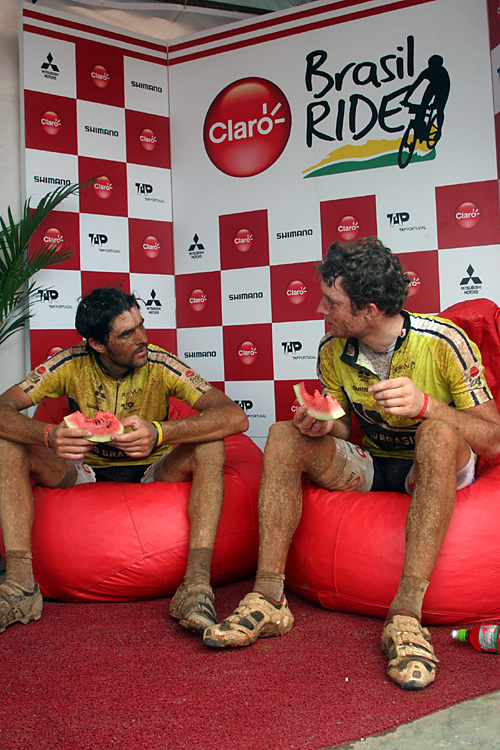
(103, 426)
(321, 407)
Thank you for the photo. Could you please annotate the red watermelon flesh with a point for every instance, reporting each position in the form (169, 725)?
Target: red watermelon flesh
(103, 426)
(321, 407)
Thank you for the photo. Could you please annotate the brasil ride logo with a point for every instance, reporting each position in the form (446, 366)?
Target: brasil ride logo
(247, 127)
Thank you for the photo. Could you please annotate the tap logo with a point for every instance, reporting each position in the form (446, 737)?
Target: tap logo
(348, 227)
(51, 122)
(247, 127)
(414, 285)
(243, 240)
(100, 76)
(103, 187)
(151, 246)
(247, 352)
(468, 214)
(198, 300)
(296, 292)
(53, 237)
(148, 139)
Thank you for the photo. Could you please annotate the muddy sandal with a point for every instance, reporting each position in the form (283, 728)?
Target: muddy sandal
(17, 605)
(412, 663)
(193, 605)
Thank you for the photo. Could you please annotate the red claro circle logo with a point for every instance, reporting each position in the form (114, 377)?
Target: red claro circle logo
(51, 122)
(247, 352)
(198, 300)
(148, 139)
(414, 283)
(468, 214)
(151, 246)
(103, 187)
(296, 292)
(247, 127)
(348, 227)
(100, 76)
(243, 240)
(53, 237)
(474, 371)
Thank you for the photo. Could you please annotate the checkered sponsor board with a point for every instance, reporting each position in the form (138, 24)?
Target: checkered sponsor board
(280, 160)
(95, 107)
(267, 165)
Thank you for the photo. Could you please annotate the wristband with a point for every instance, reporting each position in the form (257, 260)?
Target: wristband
(159, 433)
(46, 434)
(424, 407)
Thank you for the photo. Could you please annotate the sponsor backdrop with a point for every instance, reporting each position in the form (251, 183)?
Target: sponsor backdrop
(331, 121)
(95, 107)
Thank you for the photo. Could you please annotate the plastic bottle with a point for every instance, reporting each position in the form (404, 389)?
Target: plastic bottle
(482, 637)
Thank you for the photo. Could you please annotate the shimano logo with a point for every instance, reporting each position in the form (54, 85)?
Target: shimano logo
(51, 180)
(101, 131)
(246, 295)
(146, 86)
(194, 355)
(294, 233)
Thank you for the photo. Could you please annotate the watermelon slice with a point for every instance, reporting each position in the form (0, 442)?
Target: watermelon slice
(321, 407)
(103, 426)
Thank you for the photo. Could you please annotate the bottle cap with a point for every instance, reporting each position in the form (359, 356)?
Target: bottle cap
(460, 635)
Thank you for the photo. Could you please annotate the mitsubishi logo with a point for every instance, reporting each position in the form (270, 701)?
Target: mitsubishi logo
(470, 277)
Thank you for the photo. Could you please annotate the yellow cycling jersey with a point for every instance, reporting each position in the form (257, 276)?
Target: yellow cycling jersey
(433, 352)
(75, 372)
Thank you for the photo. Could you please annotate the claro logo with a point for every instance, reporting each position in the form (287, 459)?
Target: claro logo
(247, 352)
(467, 214)
(148, 139)
(53, 237)
(348, 227)
(415, 283)
(51, 122)
(247, 127)
(100, 76)
(243, 240)
(151, 246)
(296, 292)
(103, 187)
(198, 300)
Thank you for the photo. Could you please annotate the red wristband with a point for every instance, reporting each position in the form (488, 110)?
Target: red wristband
(46, 434)
(424, 407)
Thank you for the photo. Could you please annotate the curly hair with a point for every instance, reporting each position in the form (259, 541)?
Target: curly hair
(368, 272)
(97, 310)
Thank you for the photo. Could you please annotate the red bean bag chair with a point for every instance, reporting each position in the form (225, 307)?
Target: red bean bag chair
(113, 541)
(347, 553)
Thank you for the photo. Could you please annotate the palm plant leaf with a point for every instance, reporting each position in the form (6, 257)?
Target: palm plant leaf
(19, 263)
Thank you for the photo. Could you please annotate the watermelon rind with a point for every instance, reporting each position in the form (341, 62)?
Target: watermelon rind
(321, 407)
(104, 425)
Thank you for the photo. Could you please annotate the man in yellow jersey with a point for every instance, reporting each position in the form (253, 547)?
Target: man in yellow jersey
(416, 386)
(116, 370)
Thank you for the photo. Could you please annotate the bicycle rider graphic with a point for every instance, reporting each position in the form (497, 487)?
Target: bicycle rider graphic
(427, 123)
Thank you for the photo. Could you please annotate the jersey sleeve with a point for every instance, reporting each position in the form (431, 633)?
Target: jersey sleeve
(183, 383)
(465, 373)
(327, 374)
(45, 380)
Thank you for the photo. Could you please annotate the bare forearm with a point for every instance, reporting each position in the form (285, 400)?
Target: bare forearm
(18, 428)
(482, 434)
(211, 424)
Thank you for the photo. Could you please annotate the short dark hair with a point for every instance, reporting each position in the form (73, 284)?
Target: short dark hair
(369, 272)
(97, 310)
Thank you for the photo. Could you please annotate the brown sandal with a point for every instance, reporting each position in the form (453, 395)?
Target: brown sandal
(17, 605)
(412, 663)
(193, 605)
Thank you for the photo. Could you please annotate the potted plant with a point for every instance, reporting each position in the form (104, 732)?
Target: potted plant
(19, 263)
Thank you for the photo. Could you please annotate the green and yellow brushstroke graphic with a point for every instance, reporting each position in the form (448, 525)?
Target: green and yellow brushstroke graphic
(369, 155)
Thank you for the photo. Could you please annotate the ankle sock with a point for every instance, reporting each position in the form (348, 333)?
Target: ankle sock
(198, 566)
(19, 569)
(270, 585)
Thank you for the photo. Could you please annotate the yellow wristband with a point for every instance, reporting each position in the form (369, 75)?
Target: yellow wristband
(159, 433)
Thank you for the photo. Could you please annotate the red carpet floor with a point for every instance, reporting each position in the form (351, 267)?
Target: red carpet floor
(99, 676)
